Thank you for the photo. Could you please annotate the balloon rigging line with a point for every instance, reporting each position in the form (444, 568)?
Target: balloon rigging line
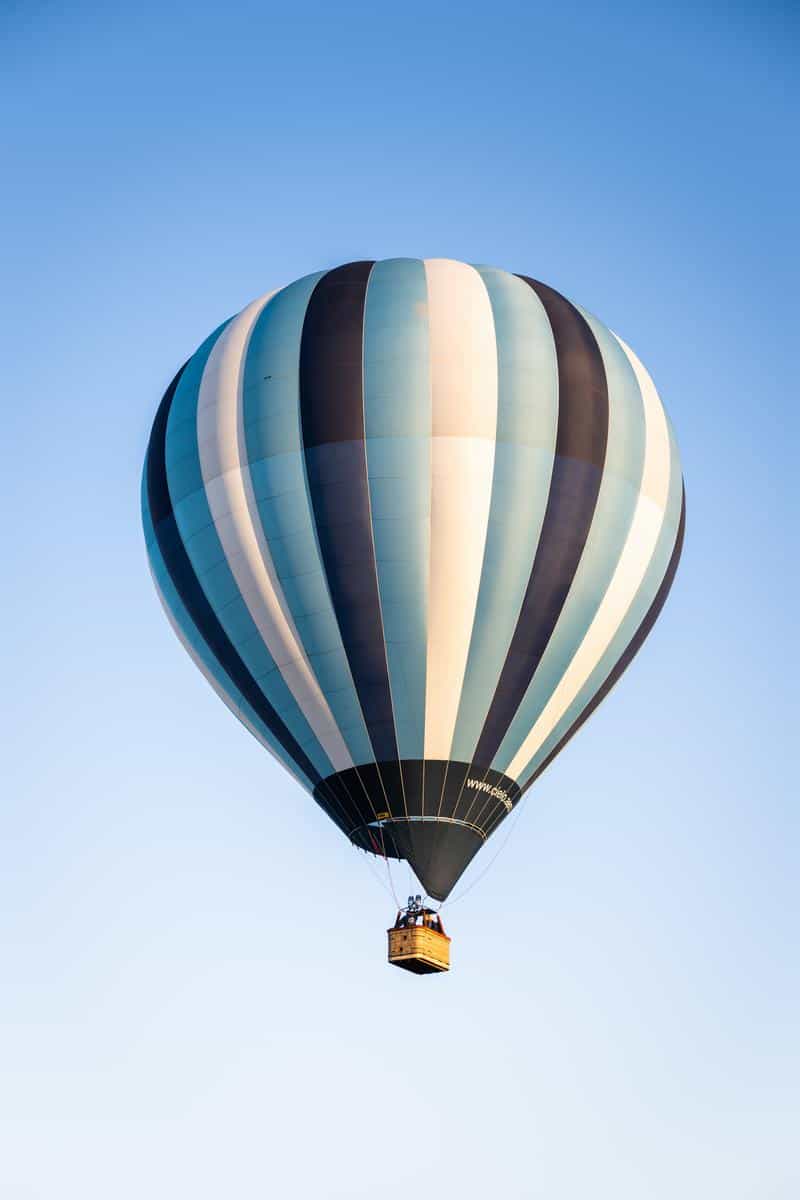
(388, 869)
(391, 882)
(372, 869)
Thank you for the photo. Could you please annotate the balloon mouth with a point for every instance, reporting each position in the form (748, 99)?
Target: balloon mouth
(433, 813)
(385, 823)
(437, 850)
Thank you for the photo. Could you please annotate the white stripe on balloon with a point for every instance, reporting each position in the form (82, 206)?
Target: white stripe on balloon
(228, 485)
(463, 358)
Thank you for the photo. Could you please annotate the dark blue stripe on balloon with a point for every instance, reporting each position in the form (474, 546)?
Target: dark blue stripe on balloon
(190, 590)
(633, 648)
(332, 420)
(577, 471)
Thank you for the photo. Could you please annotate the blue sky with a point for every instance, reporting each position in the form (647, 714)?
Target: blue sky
(195, 1001)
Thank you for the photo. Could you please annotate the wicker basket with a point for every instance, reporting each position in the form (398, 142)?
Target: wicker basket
(419, 949)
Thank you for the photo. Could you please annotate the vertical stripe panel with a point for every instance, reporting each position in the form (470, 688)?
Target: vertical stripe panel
(201, 545)
(463, 373)
(611, 522)
(187, 585)
(181, 462)
(229, 490)
(284, 515)
(332, 417)
(189, 637)
(335, 802)
(631, 566)
(642, 616)
(574, 486)
(397, 417)
(527, 423)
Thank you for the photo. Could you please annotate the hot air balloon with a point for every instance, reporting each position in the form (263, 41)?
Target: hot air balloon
(412, 519)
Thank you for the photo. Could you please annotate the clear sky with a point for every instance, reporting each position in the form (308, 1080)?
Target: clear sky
(195, 1001)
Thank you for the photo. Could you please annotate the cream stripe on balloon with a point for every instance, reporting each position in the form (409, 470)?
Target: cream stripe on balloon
(463, 371)
(226, 477)
(634, 560)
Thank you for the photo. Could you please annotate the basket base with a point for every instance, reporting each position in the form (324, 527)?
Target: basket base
(419, 966)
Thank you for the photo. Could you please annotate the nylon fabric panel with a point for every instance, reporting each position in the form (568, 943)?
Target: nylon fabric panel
(214, 574)
(194, 599)
(155, 498)
(660, 564)
(182, 477)
(231, 501)
(574, 487)
(338, 806)
(549, 752)
(332, 420)
(614, 511)
(527, 422)
(189, 637)
(630, 561)
(276, 468)
(463, 355)
(201, 545)
(397, 417)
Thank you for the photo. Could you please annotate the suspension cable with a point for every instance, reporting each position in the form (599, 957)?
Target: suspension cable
(373, 869)
(388, 869)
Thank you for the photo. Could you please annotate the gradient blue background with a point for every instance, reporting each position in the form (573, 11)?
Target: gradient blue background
(194, 1000)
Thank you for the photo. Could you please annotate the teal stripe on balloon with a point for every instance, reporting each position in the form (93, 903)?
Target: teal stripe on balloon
(184, 476)
(616, 501)
(274, 451)
(527, 422)
(397, 421)
(630, 623)
(210, 564)
(211, 665)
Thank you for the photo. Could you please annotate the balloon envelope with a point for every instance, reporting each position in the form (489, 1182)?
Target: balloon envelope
(412, 520)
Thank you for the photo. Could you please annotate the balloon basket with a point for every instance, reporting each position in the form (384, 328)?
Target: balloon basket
(418, 942)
